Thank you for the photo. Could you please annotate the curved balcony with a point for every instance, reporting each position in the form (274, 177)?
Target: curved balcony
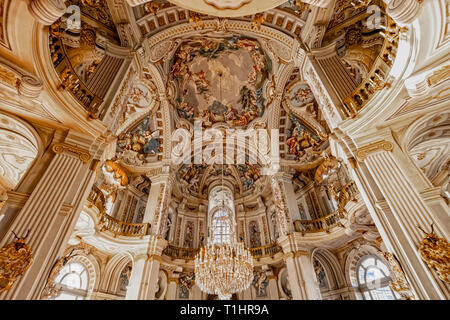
(348, 193)
(70, 80)
(108, 223)
(377, 77)
(318, 225)
(123, 228)
(266, 251)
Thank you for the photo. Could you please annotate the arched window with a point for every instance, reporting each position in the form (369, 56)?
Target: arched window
(373, 279)
(221, 224)
(73, 279)
(221, 211)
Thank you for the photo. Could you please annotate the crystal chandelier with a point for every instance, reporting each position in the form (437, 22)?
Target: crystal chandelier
(223, 266)
(224, 269)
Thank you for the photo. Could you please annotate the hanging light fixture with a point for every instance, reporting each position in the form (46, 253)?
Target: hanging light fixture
(224, 266)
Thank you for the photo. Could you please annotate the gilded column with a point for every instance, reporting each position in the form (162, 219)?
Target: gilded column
(47, 11)
(390, 186)
(50, 214)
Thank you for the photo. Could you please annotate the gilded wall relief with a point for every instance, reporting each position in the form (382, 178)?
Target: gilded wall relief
(220, 80)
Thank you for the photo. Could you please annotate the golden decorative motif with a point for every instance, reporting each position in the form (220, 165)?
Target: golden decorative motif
(51, 290)
(196, 21)
(59, 148)
(435, 252)
(363, 152)
(123, 228)
(258, 19)
(399, 283)
(15, 259)
(119, 174)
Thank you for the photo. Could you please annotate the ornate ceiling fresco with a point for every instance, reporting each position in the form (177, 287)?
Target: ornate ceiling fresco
(234, 73)
(220, 80)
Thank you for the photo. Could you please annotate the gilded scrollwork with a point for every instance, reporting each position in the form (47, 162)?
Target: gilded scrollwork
(15, 259)
(435, 252)
(399, 283)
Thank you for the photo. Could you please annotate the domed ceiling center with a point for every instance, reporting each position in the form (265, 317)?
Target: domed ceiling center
(220, 80)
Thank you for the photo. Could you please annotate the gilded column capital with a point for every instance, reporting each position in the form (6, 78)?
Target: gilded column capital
(83, 154)
(363, 152)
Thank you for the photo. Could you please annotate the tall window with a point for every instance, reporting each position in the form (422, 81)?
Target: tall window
(221, 224)
(373, 279)
(221, 211)
(73, 280)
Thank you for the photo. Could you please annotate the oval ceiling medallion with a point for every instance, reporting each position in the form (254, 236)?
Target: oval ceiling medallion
(228, 8)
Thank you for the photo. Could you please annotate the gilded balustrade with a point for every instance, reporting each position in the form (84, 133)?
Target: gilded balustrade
(265, 251)
(124, 228)
(190, 253)
(180, 253)
(108, 223)
(318, 225)
(347, 194)
(377, 77)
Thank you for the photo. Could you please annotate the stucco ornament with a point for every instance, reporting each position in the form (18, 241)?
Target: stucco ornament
(15, 259)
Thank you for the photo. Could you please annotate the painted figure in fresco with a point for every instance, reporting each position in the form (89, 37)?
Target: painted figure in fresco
(320, 273)
(302, 95)
(189, 235)
(250, 175)
(238, 113)
(300, 139)
(255, 238)
(260, 283)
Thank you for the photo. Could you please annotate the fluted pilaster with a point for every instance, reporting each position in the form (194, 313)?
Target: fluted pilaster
(67, 182)
(399, 210)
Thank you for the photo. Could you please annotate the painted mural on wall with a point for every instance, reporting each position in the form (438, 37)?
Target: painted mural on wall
(189, 235)
(141, 141)
(320, 274)
(125, 278)
(186, 281)
(301, 138)
(260, 283)
(255, 234)
(214, 81)
(250, 174)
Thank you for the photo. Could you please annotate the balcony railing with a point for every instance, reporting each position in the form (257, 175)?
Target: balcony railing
(70, 80)
(124, 228)
(377, 77)
(318, 225)
(347, 194)
(266, 251)
(180, 253)
(190, 253)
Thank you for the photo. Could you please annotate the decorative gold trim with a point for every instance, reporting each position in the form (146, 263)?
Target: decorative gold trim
(155, 257)
(83, 154)
(363, 152)
(300, 253)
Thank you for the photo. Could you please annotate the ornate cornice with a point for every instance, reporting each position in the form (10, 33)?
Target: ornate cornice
(363, 152)
(83, 154)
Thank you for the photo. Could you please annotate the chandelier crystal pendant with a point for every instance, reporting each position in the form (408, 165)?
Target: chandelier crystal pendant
(224, 269)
